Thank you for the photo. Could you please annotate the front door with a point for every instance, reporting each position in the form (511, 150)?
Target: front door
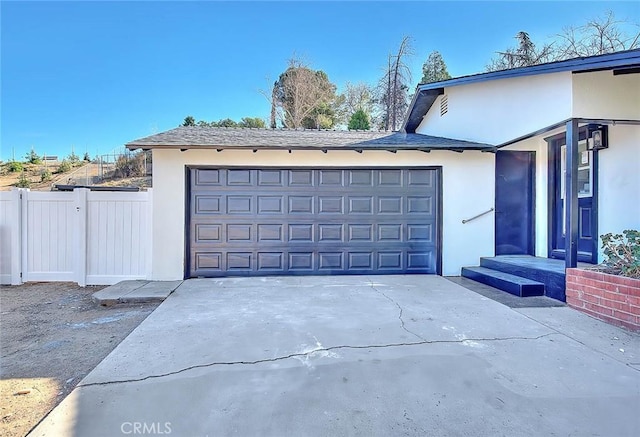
(515, 183)
(587, 199)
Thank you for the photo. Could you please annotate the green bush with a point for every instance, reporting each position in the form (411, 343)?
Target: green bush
(23, 182)
(73, 158)
(45, 175)
(622, 253)
(64, 166)
(15, 166)
(33, 158)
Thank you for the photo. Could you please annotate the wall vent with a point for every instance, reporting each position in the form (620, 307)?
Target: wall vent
(444, 104)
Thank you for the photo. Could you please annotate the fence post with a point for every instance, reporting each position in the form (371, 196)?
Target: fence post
(16, 236)
(24, 235)
(149, 234)
(80, 262)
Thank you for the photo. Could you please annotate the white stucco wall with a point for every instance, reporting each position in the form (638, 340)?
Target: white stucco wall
(501, 110)
(619, 181)
(602, 95)
(468, 189)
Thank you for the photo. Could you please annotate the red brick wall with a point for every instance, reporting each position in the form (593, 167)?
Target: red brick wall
(613, 299)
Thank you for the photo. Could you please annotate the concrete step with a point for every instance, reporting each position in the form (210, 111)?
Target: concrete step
(513, 284)
(546, 271)
(140, 291)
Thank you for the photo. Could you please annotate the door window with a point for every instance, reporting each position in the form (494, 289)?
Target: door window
(585, 175)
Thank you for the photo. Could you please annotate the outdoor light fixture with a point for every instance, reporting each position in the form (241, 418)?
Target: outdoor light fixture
(597, 137)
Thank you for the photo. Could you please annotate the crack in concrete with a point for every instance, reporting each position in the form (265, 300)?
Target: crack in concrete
(306, 354)
(564, 334)
(402, 325)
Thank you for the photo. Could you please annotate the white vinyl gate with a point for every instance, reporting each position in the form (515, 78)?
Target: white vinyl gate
(88, 237)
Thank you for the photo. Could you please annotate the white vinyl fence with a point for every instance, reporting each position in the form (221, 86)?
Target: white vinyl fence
(88, 237)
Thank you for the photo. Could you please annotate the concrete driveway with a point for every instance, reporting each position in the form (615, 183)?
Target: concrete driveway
(355, 355)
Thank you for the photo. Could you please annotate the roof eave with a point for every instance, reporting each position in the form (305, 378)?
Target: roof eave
(357, 148)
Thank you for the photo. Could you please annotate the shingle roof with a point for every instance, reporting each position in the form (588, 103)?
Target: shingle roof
(426, 93)
(198, 137)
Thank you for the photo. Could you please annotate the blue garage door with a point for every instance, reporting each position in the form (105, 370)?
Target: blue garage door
(257, 222)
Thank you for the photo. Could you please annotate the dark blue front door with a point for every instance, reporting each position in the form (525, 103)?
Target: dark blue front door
(587, 200)
(514, 209)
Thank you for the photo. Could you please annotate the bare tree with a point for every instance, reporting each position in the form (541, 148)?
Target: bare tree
(356, 97)
(393, 88)
(524, 55)
(302, 97)
(599, 36)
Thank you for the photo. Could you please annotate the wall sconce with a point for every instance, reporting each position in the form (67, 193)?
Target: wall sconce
(597, 137)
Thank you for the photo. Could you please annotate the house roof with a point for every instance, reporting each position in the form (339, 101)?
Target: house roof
(197, 137)
(620, 62)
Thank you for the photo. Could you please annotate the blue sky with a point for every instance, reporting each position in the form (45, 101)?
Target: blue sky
(95, 75)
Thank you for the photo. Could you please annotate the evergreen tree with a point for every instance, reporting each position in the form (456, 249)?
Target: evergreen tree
(359, 121)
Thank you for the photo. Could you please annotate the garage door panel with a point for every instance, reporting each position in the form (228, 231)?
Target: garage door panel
(390, 205)
(361, 233)
(420, 260)
(239, 205)
(360, 261)
(331, 178)
(270, 233)
(361, 178)
(423, 178)
(209, 261)
(271, 178)
(239, 233)
(301, 204)
(390, 178)
(271, 261)
(420, 232)
(207, 204)
(301, 261)
(207, 177)
(270, 204)
(303, 221)
(419, 205)
(390, 260)
(301, 233)
(239, 177)
(239, 261)
(361, 204)
(208, 233)
(330, 261)
(301, 178)
(330, 205)
(390, 233)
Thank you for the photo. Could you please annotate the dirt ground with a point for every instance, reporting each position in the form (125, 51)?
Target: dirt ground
(51, 336)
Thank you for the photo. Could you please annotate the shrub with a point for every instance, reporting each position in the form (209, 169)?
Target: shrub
(15, 166)
(33, 158)
(64, 166)
(73, 158)
(622, 253)
(45, 175)
(23, 182)
(129, 166)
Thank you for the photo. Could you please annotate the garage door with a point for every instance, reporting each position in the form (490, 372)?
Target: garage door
(312, 221)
